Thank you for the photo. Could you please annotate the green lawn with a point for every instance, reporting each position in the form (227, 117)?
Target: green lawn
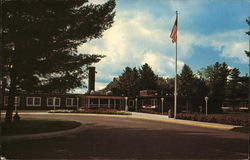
(31, 126)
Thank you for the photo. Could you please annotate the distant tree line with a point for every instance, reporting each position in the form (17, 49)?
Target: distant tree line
(216, 81)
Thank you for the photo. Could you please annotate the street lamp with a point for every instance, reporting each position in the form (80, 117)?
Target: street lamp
(126, 105)
(206, 100)
(162, 99)
(136, 104)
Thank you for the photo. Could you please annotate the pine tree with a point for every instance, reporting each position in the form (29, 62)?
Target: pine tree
(186, 83)
(40, 41)
(216, 78)
(128, 81)
(147, 78)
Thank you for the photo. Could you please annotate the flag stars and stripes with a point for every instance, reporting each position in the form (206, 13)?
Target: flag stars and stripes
(173, 34)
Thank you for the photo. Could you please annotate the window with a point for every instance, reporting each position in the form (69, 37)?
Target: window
(16, 102)
(50, 101)
(70, 102)
(33, 101)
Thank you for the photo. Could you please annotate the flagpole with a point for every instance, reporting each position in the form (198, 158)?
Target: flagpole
(175, 84)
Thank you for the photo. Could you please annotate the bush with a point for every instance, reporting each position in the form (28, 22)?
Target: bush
(93, 111)
(152, 111)
(215, 118)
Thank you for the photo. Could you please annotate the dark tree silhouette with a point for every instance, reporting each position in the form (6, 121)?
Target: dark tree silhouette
(216, 78)
(147, 78)
(40, 41)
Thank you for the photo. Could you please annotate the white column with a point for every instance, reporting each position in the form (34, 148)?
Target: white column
(54, 103)
(162, 100)
(126, 104)
(77, 103)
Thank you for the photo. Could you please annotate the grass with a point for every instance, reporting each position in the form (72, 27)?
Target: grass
(32, 126)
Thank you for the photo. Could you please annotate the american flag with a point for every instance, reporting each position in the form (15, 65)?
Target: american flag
(173, 34)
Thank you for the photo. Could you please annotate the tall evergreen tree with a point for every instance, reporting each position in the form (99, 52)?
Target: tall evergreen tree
(199, 91)
(128, 81)
(216, 78)
(147, 78)
(186, 83)
(40, 41)
(233, 84)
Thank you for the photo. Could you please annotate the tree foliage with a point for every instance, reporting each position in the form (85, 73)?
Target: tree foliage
(40, 41)
(131, 81)
(192, 88)
(216, 78)
(186, 80)
(216, 81)
(248, 33)
(147, 78)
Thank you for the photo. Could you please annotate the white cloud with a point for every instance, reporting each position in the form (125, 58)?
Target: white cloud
(161, 64)
(127, 44)
(78, 90)
(97, 1)
(230, 44)
(100, 85)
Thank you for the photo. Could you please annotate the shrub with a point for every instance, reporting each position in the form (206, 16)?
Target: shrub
(215, 118)
(148, 111)
(93, 111)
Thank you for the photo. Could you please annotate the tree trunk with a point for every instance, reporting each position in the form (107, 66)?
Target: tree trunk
(12, 94)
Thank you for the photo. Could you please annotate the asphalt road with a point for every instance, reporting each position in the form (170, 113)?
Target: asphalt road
(125, 138)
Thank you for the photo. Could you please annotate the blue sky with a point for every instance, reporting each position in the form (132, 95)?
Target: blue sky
(208, 31)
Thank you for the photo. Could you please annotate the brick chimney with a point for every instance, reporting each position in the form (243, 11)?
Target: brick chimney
(91, 85)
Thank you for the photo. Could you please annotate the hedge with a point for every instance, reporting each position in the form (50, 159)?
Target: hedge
(224, 119)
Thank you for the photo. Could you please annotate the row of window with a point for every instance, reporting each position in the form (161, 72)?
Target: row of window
(36, 101)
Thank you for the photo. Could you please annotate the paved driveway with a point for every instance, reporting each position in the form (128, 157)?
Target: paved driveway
(125, 138)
